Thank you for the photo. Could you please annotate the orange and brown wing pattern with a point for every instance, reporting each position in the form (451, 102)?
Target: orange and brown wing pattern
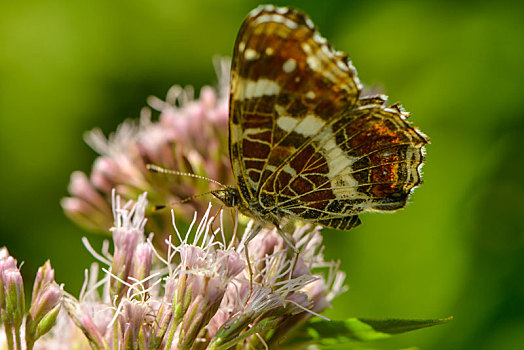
(367, 159)
(287, 84)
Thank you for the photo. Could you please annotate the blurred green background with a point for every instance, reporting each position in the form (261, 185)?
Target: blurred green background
(457, 249)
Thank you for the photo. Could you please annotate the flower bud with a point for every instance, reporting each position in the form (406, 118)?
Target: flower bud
(14, 296)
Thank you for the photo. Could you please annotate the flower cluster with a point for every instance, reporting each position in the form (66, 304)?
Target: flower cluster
(189, 136)
(44, 306)
(212, 289)
(201, 296)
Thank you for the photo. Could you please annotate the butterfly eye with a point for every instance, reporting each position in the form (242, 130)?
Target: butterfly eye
(228, 196)
(232, 196)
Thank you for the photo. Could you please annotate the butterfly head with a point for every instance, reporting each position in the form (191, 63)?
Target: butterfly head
(228, 195)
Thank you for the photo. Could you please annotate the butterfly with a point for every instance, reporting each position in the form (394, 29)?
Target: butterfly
(303, 143)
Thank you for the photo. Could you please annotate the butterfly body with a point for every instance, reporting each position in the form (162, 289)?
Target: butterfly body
(231, 197)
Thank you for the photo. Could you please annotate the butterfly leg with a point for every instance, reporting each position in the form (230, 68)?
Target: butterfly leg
(287, 240)
(216, 215)
(291, 245)
(252, 235)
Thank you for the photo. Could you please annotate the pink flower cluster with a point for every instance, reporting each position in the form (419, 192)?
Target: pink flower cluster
(189, 136)
(201, 292)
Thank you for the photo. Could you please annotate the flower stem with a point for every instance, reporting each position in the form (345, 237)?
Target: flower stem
(8, 334)
(115, 335)
(18, 338)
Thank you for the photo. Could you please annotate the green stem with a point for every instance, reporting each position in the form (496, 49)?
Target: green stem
(9, 336)
(141, 339)
(18, 338)
(115, 335)
(219, 345)
(171, 336)
(29, 344)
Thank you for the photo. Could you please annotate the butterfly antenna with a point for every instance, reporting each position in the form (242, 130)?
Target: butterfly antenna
(185, 200)
(156, 169)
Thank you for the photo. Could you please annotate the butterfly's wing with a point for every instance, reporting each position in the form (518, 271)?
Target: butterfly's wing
(287, 85)
(301, 142)
(368, 159)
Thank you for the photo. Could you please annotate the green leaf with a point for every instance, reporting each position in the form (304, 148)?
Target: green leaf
(323, 333)
(396, 326)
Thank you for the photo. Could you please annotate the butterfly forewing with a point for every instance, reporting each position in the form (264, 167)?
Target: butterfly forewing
(302, 143)
(287, 83)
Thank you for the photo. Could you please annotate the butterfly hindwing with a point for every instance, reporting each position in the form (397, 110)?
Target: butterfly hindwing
(365, 160)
